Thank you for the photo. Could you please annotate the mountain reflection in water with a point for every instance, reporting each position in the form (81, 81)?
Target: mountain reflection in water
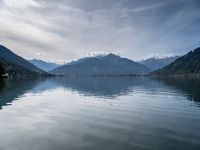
(105, 87)
(95, 113)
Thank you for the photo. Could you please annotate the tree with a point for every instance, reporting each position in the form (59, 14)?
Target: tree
(2, 70)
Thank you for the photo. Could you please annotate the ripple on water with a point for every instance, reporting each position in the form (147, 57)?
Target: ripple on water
(136, 114)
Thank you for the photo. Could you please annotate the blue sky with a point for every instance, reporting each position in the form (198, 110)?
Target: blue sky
(64, 30)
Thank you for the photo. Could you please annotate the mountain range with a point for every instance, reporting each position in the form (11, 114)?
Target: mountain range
(108, 65)
(187, 65)
(104, 65)
(15, 65)
(158, 63)
(46, 66)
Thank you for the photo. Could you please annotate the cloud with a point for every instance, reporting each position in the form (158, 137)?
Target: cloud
(150, 7)
(66, 29)
(19, 3)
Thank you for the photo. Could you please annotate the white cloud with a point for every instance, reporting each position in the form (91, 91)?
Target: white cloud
(67, 29)
(20, 3)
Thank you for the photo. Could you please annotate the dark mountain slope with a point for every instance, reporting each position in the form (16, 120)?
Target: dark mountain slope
(102, 66)
(16, 65)
(188, 64)
(2, 70)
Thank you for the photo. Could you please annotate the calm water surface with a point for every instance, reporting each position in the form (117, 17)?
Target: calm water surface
(100, 114)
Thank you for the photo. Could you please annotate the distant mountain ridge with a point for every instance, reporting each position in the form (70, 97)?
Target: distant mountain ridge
(46, 66)
(186, 65)
(158, 63)
(102, 65)
(15, 65)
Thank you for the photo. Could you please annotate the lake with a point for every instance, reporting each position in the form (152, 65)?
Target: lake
(99, 113)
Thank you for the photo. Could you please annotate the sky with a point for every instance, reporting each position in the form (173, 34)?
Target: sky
(65, 30)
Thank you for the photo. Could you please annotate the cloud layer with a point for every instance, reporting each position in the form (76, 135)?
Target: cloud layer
(68, 29)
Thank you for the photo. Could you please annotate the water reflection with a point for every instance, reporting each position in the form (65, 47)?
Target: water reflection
(2, 84)
(113, 87)
(188, 86)
(99, 113)
(100, 87)
(10, 90)
(108, 87)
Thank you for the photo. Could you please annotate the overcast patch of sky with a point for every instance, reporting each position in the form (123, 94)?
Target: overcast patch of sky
(68, 29)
